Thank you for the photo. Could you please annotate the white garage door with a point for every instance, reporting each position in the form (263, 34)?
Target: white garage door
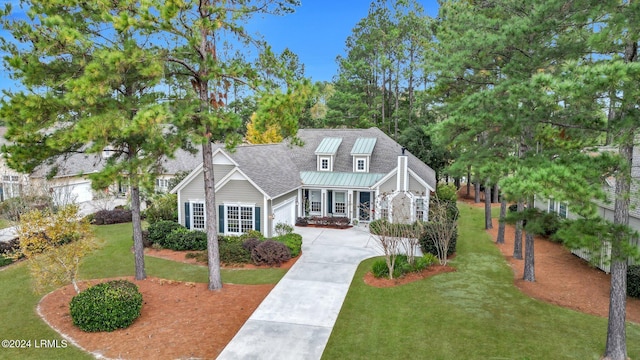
(284, 213)
(73, 193)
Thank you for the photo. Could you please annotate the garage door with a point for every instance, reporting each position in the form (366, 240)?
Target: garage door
(284, 213)
(73, 193)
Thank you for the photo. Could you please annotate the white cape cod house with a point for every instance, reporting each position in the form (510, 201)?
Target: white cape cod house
(360, 174)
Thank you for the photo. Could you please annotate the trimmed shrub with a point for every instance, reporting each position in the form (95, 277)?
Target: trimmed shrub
(163, 207)
(4, 261)
(427, 245)
(107, 306)
(250, 244)
(633, 281)
(379, 268)
(158, 231)
(283, 229)
(233, 252)
(249, 234)
(292, 241)
(270, 253)
(115, 216)
(183, 239)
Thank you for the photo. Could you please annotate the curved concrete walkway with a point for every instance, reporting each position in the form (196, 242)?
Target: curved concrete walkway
(295, 320)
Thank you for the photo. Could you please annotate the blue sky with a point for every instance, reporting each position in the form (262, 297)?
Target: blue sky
(316, 32)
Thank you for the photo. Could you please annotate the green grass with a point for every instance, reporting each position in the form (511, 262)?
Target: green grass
(474, 313)
(19, 320)
(4, 223)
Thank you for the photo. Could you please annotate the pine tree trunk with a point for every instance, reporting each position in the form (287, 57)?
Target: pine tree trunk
(517, 243)
(495, 198)
(501, 224)
(487, 207)
(138, 246)
(213, 252)
(468, 181)
(616, 347)
(476, 190)
(529, 255)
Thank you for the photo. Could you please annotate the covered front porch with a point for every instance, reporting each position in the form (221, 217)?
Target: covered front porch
(355, 204)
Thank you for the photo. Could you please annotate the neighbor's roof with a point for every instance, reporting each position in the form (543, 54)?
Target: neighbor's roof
(339, 179)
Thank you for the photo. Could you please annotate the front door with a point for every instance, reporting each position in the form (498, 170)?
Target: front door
(364, 206)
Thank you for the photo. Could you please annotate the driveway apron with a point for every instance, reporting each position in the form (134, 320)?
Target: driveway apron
(295, 320)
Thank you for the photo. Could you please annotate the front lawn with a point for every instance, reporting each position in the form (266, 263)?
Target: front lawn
(474, 313)
(114, 258)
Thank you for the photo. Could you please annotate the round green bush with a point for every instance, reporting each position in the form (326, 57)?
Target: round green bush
(633, 281)
(427, 245)
(107, 306)
(183, 239)
(158, 231)
(379, 268)
(292, 241)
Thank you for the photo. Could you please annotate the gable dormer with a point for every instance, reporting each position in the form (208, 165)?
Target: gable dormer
(326, 153)
(361, 154)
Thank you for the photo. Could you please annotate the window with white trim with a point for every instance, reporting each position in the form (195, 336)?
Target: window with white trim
(361, 165)
(197, 216)
(162, 184)
(562, 210)
(339, 203)
(384, 208)
(419, 209)
(315, 201)
(552, 206)
(239, 218)
(10, 186)
(324, 164)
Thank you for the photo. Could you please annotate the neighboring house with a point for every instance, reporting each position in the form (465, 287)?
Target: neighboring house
(605, 208)
(360, 174)
(11, 181)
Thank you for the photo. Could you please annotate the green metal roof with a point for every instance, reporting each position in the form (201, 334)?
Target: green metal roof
(363, 146)
(328, 146)
(339, 179)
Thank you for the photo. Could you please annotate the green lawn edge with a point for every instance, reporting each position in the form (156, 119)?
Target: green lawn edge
(473, 313)
(20, 320)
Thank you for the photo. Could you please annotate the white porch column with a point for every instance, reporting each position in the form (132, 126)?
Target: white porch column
(323, 202)
(350, 204)
(300, 203)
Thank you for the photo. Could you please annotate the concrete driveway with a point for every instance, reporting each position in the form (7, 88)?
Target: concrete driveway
(295, 320)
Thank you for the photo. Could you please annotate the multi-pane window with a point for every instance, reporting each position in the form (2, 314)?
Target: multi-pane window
(384, 209)
(360, 165)
(552, 205)
(315, 201)
(419, 209)
(162, 184)
(324, 164)
(11, 186)
(197, 216)
(239, 218)
(562, 210)
(340, 204)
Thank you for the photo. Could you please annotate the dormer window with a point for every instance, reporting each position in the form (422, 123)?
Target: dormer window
(361, 153)
(326, 153)
(324, 164)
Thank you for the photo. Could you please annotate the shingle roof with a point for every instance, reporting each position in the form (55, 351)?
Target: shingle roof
(384, 157)
(268, 166)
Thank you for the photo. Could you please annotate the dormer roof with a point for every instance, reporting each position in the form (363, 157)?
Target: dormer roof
(328, 146)
(363, 146)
